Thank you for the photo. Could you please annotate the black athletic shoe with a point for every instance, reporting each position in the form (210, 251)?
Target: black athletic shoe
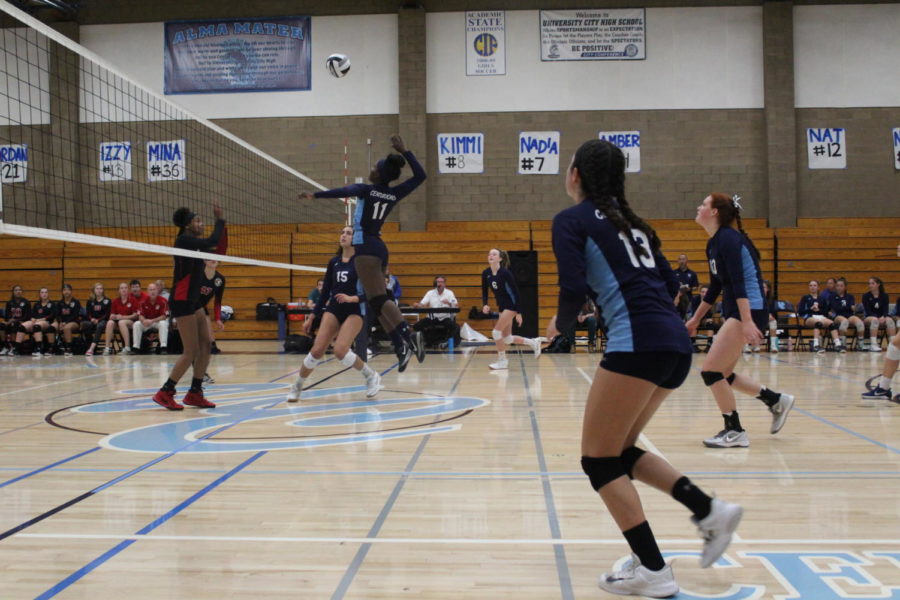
(418, 344)
(405, 353)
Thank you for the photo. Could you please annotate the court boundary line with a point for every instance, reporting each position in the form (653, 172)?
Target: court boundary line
(473, 541)
(562, 564)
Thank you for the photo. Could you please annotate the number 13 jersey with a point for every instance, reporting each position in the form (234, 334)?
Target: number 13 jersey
(633, 292)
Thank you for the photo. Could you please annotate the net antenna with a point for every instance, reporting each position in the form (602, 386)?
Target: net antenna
(88, 155)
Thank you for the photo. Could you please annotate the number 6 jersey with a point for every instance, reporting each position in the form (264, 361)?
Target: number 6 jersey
(633, 292)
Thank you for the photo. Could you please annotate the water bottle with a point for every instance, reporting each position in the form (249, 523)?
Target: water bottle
(450, 344)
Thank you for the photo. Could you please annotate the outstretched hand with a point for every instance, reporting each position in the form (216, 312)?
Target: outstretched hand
(217, 211)
(306, 196)
(397, 143)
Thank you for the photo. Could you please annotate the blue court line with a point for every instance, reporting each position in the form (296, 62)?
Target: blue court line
(356, 563)
(77, 575)
(832, 423)
(50, 466)
(559, 551)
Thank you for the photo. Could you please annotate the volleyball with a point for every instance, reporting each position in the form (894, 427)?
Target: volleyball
(338, 65)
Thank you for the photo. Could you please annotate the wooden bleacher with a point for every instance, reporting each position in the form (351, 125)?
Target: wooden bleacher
(817, 248)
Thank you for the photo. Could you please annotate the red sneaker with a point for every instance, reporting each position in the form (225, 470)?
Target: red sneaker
(197, 399)
(167, 400)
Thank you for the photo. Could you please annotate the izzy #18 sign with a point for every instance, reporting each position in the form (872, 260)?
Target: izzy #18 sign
(14, 163)
(615, 34)
(165, 161)
(486, 42)
(115, 161)
(460, 152)
(629, 142)
(539, 153)
(826, 148)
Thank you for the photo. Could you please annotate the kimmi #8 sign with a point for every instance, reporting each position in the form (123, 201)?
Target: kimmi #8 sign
(460, 152)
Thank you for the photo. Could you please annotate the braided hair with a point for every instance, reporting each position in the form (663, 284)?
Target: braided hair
(601, 166)
(730, 212)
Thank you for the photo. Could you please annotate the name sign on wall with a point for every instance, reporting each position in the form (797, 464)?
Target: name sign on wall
(629, 142)
(486, 42)
(460, 152)
(896, 137)
(538, 153)
(826, 148)
(237, 55)
(13, 163)
(115, 161)
(595, 34)
(165, 161)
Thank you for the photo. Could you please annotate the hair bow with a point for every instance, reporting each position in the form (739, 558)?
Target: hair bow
(736, 202)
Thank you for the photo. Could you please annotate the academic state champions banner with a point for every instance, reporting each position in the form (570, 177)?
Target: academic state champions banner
(237, 55)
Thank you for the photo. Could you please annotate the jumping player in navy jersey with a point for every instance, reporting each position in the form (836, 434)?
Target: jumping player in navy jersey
(607, 253)
(734, 271)
(373, 205)
(876, 306)
(500, 280)
(18, 311)
(341, 306)
(43, 314)
(185, 306)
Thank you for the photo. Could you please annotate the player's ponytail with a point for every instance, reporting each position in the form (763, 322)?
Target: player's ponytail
(729, 208)
(601, 166)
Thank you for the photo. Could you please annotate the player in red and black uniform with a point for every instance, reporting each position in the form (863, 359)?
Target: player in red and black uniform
(43, 314)
(68, 317)
(18, 311)
(99, 308)
(185, 306)
(213, 288)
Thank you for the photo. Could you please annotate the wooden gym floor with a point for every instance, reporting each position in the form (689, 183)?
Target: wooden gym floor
(457, 482)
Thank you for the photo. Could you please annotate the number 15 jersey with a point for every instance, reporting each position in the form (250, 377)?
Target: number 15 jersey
(633, 292)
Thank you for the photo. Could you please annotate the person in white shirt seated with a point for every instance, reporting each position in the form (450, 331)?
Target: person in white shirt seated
(438, 327)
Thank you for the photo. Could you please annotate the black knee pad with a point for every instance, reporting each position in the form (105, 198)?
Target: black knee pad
(376, 303)
(21, 329)
(629, 457)
(730, 379)
(711, 377)
(818, 325)
(50, 329)
(602, 470)
(833, 327)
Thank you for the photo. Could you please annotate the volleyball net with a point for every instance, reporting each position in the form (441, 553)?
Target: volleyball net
(89, 156)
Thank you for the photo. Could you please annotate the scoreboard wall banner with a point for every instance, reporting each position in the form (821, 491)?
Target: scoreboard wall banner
(115, 161)
(14, 163)
(486, 42)
(826, 147)
(629, 142)
(166, 161)
(460, 152)
(538, 153)
(593, 34)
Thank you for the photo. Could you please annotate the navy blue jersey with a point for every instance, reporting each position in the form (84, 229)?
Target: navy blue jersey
(340, 278)
(633, 293)
(18, 310)
(827, 295)
(375, 202)
(503, 284)
(733, 271)
(688, 278)
(44, 312)
(876, 306)
(812, 306)
(842, 306)
(99, 309)
(68, 312)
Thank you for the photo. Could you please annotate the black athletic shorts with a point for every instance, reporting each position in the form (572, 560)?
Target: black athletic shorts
(372, 246)
(182, 308)
(343, 310)
(760, 319)
(666, 369)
